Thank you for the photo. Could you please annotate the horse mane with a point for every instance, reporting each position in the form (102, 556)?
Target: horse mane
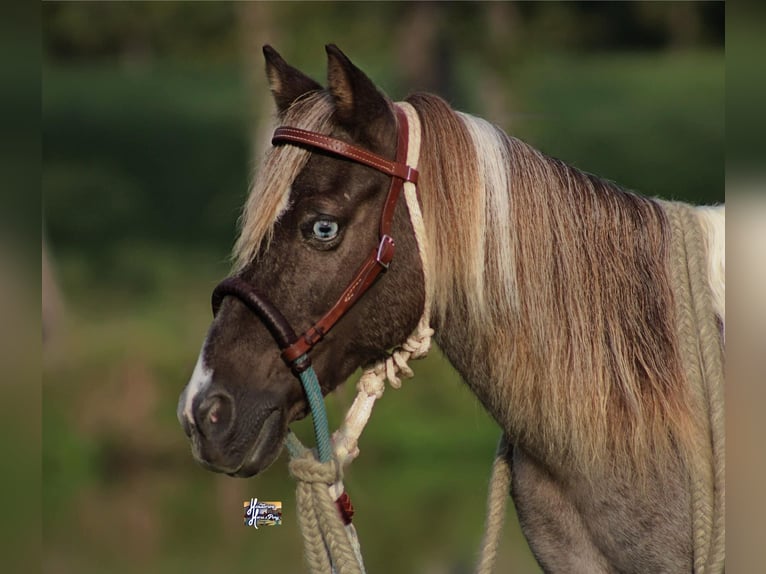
(560, 278)
(270, 192)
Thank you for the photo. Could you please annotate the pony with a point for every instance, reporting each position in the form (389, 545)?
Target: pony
(587, 319)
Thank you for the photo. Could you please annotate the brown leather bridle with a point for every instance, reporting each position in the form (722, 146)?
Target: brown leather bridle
(295, 348)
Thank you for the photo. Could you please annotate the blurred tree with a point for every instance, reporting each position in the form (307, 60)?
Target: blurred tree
(257, 26)
(137, 32)
(422, 54)
(51, 296)
(502, 29)
(120, 143)
(683, 23)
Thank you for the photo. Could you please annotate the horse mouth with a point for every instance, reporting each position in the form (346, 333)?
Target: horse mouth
(262, 452)
(265, 449)
(268, 443)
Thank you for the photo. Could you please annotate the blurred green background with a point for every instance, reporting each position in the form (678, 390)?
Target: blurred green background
(153, 118)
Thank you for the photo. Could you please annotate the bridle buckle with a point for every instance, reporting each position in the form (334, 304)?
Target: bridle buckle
(313, 336)
(385, 251)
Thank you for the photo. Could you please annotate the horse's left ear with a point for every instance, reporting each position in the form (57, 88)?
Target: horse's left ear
(358, 102)
(287, 83)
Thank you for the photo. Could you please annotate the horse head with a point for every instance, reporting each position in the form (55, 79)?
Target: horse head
(311, 220)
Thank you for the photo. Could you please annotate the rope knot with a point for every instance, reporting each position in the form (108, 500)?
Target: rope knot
(419, 343)
(308, 469)
(416, 346)
(371, 382)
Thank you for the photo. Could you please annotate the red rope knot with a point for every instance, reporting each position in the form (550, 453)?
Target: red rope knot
(345, 508)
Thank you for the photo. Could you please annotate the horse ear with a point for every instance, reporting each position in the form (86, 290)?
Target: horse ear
(287, 83)
(357, 99)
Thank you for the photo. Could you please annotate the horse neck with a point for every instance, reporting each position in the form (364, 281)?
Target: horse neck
(550, 289)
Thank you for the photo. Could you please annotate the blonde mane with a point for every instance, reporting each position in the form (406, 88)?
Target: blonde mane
(270, 193)
(559, 280)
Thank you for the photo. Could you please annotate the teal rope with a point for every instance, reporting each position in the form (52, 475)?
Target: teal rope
(318, 414)
(294, 445)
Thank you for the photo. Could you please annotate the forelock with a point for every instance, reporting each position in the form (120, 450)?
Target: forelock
(269, 195)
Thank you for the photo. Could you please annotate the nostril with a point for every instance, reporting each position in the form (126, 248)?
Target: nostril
(214, 415)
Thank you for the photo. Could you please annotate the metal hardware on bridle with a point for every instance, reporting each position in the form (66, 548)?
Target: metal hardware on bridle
(295, 349)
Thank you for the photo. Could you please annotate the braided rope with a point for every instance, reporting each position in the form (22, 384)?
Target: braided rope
(313, 391)
(701, 355)
(711, 358)
(497, 502)
(328, 547)
(701, 509)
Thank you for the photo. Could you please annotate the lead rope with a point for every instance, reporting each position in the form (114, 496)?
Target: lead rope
(702, 357)
(497, 502)
(330, 546)
(320, 478)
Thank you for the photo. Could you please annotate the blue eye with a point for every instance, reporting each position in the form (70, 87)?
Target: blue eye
(325, 229)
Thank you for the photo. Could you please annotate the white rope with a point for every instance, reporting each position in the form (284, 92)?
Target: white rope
(372, 382)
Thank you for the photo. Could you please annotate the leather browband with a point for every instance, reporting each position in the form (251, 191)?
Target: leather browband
(343, 149)
(294, 347)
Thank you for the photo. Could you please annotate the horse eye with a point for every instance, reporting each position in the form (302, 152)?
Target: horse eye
(325, 229)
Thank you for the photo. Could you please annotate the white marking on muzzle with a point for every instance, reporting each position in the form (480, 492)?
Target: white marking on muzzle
(200, 380)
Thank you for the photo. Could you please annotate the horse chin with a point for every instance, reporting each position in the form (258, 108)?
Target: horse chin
(265, 449)
(262, 452)
(268, 443)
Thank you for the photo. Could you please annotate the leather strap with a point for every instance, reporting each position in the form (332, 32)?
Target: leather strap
(275, 322)
(293, 348)
(362, 281)
(379, 259)
(338, 147)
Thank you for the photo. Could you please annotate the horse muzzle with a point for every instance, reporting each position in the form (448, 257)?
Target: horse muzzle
(223, 442)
